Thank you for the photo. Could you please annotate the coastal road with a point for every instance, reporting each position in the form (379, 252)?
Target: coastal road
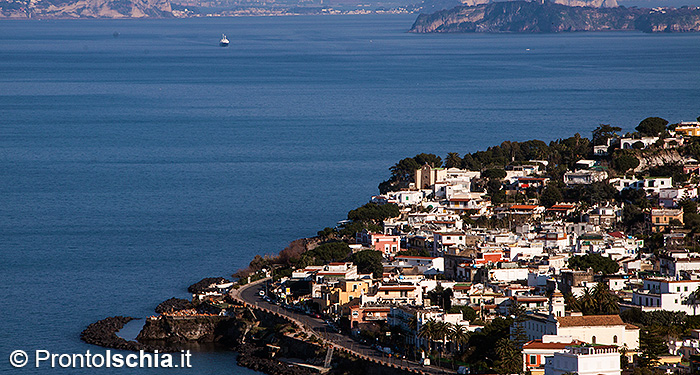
(249, 293)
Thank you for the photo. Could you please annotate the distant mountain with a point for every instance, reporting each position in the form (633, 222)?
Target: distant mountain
(85, 8)
(430, 6)
(536, 17)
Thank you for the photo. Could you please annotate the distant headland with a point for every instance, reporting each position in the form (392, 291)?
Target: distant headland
(546, 17)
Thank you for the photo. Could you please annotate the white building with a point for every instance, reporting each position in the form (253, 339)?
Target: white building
(536, 352)
(627, 143)
(508, 274)
(445, 240)
(584, 177)
(594, 329)
(670, 197)
(584, 360)
(525, 251)
(408, 197)
(670, 295)
(426, 265)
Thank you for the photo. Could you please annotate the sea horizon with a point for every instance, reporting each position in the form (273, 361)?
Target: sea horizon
(136, 165)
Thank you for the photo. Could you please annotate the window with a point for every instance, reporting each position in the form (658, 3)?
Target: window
(386, 292)
(685, 289)
(678, 289)
(615, 339)
(533, 359)
(593, 340)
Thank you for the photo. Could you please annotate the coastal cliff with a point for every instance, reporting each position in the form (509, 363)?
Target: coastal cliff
(432, 6)
(85, 9)
(532, 17)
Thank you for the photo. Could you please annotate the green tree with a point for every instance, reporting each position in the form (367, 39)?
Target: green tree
(427, 332)
(595, 261)
(414, 253)
(551, 196)
(458, 336)
(691, 218)
(453, 160)
(603, 132)
(652, 126)
(331, 252)
(510, 359)
(652, 345)
(430, 159)
(572, 303)
(468, 312)
(375, 213)
(638, 145)
(518, 314)
(623, 163)
(495, 174)
(369, 261)
(606, 302)
(587, 302)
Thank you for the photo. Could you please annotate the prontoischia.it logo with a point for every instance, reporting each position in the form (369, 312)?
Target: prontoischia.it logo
(142, 359)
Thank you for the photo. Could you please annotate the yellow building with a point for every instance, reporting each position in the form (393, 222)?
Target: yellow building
(689, 129)
(334, 297)
(661, 218)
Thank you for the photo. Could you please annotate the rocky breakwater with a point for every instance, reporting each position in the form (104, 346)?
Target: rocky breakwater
(104, 333)
(535, 17)
(174, 330)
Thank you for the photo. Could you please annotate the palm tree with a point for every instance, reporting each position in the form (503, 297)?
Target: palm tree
(694, 300)
(442, 329)
(458, 336)
(587, 302)
(413, 324)
(606, 301)
(572, 303)
(427, 332)
(510, 359)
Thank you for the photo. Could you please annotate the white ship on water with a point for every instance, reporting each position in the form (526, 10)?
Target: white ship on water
(224, 41)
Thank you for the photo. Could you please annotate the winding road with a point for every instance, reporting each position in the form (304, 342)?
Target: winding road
(249, 294)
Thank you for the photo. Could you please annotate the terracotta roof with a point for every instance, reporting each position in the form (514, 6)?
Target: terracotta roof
(383, 288)
(630, 326)
(412, 257)
(530, 299)
(538, 344)
(569, 206)
(590, 321)
(523, 207)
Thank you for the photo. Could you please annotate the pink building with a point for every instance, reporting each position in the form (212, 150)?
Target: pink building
(387, 244)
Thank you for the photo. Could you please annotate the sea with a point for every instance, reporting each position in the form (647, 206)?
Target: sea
(138, 156)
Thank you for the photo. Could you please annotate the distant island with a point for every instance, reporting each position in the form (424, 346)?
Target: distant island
(19, 9)
(537, 17)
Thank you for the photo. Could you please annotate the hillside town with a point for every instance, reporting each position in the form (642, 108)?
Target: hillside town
(575, 257)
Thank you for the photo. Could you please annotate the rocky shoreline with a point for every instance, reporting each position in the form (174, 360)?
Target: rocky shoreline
(260, 338)
(104, 333)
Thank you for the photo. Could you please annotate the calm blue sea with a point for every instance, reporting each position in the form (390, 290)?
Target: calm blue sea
(133, 166)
